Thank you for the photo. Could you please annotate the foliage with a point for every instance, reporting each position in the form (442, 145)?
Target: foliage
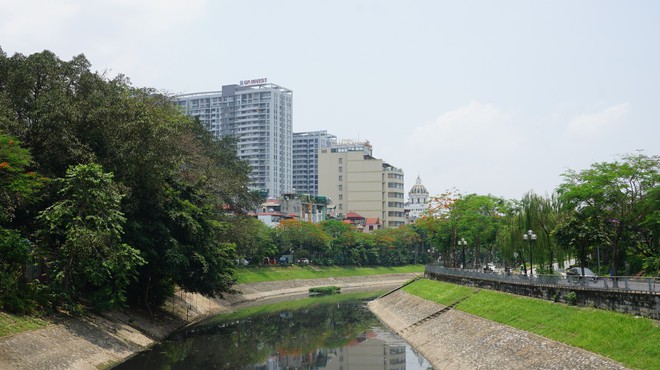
(541, 215)
(84, 230)
(325, 289)
(396, 247)
(16, 293)
(648, 245)
(182, 188)
(17, 184)
(476, 219)
(578, 234)
(253, 239)
(613, 196)
(19, 187)
(301, 238)
(571, 298)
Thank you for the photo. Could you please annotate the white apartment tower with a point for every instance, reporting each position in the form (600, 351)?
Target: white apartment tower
(358, 182)
(306, 147)
(259, 115)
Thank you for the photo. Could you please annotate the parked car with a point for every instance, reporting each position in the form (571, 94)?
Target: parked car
(576, 273)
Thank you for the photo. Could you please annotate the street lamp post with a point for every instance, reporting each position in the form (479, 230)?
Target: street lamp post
(530, 236)
(462, 243)
(431, 251)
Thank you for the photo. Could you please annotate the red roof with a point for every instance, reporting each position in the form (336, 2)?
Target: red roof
(353, 215)
(372, 221)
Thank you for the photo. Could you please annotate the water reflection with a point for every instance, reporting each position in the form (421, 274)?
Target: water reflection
(339, 336)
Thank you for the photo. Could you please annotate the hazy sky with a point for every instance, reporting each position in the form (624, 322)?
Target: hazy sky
(497, 97)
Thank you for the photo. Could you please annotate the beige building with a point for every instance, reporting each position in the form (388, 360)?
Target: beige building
(358, 182)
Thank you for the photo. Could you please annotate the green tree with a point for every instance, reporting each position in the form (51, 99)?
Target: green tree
(611, 195)
(648, 241)
(579, 234)
(84, 229)
(305, 239)
(342, 246)
(397, 246)
(18, 187)
(184, 189)
(253, 239)
(16, 293)
(477, 218)
(541, 215)
(41, 93)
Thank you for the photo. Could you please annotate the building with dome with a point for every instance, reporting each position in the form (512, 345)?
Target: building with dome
(418, 201)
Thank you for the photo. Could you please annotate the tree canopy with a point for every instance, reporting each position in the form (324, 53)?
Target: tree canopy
(138, 186)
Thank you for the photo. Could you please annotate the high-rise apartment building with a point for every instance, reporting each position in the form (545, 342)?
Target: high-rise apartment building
(259, 115)
(306, 147)
(358, 182)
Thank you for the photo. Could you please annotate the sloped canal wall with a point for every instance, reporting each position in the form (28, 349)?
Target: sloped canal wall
(451, 339)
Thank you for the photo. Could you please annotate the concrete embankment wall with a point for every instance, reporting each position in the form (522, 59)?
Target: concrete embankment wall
(635, 303)
(451, 339)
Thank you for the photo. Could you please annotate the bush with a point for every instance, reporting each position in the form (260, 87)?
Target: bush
(16, 293)
(556, 296)
(325, 290)
(571, 298)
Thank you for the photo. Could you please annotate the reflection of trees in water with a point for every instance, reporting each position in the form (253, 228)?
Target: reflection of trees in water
(239, 343)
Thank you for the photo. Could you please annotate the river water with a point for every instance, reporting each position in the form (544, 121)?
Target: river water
(326, 334)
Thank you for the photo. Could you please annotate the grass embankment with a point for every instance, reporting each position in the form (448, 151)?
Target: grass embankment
(631, 340)
(259, 274)
(12, 324)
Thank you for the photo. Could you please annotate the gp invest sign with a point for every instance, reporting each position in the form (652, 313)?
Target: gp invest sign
(256, 81)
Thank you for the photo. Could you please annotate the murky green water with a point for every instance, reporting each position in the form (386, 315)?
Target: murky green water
(341, 336)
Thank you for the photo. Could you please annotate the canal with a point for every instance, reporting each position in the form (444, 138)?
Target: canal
(337, 332)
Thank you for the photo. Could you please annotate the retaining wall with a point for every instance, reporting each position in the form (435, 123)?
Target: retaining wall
(451, 339)
(635, 303)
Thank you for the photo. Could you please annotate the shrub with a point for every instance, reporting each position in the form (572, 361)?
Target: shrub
(555, 297)
(571, 298)
(16, 293)
(325, 290)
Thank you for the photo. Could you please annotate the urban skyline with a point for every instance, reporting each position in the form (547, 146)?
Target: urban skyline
(485, 97)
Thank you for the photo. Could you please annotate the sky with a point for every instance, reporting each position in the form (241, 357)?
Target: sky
(487, 97)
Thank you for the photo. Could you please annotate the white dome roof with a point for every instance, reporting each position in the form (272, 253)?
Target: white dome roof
(418, 188)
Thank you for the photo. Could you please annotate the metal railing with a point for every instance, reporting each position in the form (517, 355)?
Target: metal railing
(617, 283)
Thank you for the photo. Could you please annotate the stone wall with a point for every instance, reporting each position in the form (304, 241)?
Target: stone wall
(634, 303)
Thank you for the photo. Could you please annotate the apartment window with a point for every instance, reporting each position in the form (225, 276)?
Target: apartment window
(341, 206)
(341, 178)
(341, 196)
(341, 169)
(341, 187)
(341, 160)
